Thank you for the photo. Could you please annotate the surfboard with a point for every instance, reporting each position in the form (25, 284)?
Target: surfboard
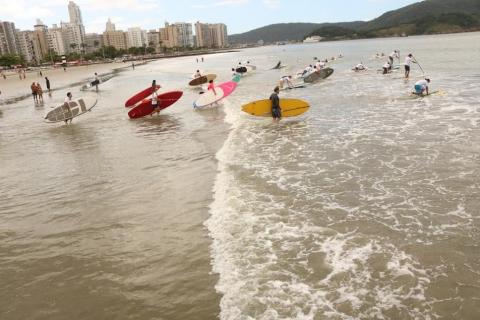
(91, 84)
(139, 97)
(289, 107)
(145, 107)
(296, 86)
(318, 75)
(202, 80)
(208, 98)
(75, 108)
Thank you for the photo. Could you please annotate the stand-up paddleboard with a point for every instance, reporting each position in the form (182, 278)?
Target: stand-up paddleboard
(202, 80)
(318, 75)
(289, 107)
(75, 108)
(92, 84)
(139, 97)
(241, 70)
(237, 78)
(145, 107)
(295, 86)
(208, 98)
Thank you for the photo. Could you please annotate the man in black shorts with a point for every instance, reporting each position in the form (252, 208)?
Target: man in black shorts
(276, 111)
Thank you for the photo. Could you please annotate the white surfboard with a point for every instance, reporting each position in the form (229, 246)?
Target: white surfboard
(75, 108)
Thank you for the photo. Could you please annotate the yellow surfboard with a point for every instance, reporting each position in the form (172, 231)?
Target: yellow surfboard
(263, 108)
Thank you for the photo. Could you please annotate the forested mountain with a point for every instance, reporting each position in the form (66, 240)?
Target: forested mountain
(425, 17)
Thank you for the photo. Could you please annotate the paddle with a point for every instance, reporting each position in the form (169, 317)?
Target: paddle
(415, 59)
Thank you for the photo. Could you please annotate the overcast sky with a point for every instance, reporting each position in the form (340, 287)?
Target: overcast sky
(238, 15)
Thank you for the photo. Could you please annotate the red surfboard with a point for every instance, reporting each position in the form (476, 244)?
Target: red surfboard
(139, 97)
(145, 107)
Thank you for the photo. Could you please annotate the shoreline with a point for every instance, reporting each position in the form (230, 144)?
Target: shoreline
(13, 89)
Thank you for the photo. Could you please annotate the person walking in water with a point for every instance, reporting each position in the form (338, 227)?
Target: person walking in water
(155, 100)
(211, 86)
(47, 84)
(276, 110)
(66, 105)
(33, 87)
(39, 92)
(96, 81)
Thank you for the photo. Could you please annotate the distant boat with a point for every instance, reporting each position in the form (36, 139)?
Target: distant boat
(313, 39)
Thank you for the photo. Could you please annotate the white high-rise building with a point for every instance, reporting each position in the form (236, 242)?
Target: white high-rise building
(110, 26)
(185, 34)
(8, 41)
(76, 30)
(136, 37)
(73, 37)
(25, 45)
(56, 40)
(74, 13)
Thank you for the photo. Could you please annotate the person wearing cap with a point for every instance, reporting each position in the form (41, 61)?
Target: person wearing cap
(276, 110)
(421, 86)
(408, 62)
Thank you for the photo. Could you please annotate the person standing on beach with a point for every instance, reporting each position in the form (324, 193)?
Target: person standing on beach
(133, 65)
(33, 87)
(47, 84)
(276, 110)
(202, 59)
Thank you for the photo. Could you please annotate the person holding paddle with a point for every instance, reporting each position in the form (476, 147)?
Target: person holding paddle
(408, 62)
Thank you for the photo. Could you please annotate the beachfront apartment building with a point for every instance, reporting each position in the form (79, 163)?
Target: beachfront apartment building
(211, 35)
(56, 40)
(8, 39)
(116, 39)
(153, 40)
(40, 41)
(136, 37)
(25, 45)
(93, 42)
(176, 35)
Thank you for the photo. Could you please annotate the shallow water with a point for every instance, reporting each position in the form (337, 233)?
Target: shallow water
(366, 207)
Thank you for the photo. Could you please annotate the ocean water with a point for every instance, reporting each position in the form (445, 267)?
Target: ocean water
(366, 207)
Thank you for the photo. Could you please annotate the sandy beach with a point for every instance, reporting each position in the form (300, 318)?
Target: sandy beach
(13, 88)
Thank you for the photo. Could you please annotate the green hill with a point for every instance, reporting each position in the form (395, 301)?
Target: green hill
(425, 17)
(283, 32)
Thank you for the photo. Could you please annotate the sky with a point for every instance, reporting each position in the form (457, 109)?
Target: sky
(239, 15)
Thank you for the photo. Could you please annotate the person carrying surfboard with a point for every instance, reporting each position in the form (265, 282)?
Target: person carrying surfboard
(155, 100)
(67, 100)
(276, 110)
(387, 67)
(197, 74)
(421, 86)
(96, 81)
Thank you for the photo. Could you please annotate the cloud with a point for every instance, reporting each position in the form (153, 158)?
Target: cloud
(274, 4)
(223, 3)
